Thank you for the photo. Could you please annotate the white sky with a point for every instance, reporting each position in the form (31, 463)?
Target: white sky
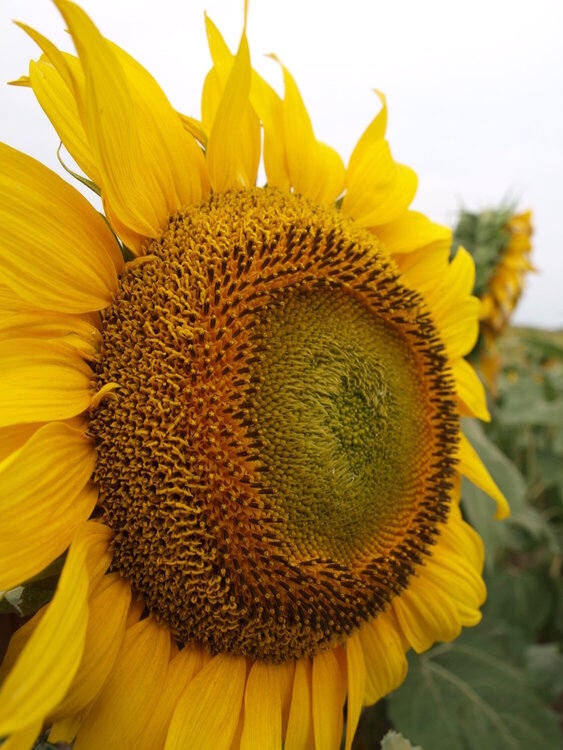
(474, 89)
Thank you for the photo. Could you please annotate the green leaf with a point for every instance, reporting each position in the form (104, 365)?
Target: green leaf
(543, 344)
(526, 527)
(477, 506)
(26, 600)
(544, 664)
(472, 695)
(503, 471)
(523, 597)
(532, 410)
(479, 510)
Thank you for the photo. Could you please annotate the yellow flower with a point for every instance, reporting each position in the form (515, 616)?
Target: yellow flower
(499, 242)
(246, 438)
(505, 284)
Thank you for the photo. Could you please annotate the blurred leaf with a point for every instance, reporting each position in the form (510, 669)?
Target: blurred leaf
(544, 664)
(477, 506)
(26, 600)
(533, 410)
(503, 471)
(550, 466)
(479, 510)
(526, 526)
(543, 345)
(472, 694)
(524, 598)
(396, 741)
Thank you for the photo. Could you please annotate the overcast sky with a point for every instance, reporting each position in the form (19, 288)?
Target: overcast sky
(475, 91)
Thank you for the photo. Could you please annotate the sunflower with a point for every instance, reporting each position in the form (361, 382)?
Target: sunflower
(499, 241)
(246, 437)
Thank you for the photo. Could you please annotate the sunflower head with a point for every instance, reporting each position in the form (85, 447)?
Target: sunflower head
(247, 436)
(282, 429)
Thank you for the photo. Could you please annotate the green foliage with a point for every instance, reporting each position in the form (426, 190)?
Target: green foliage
(528, 420)
(474, 694)
(484, 235)
(26, 599)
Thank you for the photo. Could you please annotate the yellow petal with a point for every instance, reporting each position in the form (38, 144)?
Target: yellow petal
(210, 99)
(109, 605)
(131, 691)
(299, 735)
(458, 535)
(49, 660)
(22, 81)
(65, 730)
(57, 100)
(98, 553)
(18, 642)
(207, 714)
(31, 548)
(11, 303)
(374, 133)
(262, 709)
(459, 327)
(233, 147)
(424, 268)
(41, 380)
(135, 172)
(45, 500)
(24, 739)
(195, 128)
(13, 437)
(220, 53)
(264, 100)
(328, 692)
(356, 685)
(473, 468)
(96, 538)
(285, 674)
(180, 162)
(426, 614)
(132, 240)
(456, 283)
(413, 231)
(315, 169)
(447, 288)
(384, 656)
(470, 390)
(58, 59)
(378, 190)
(269, 108)
(181, 670)
(458, 579)
(73, 329)
(55, 246)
